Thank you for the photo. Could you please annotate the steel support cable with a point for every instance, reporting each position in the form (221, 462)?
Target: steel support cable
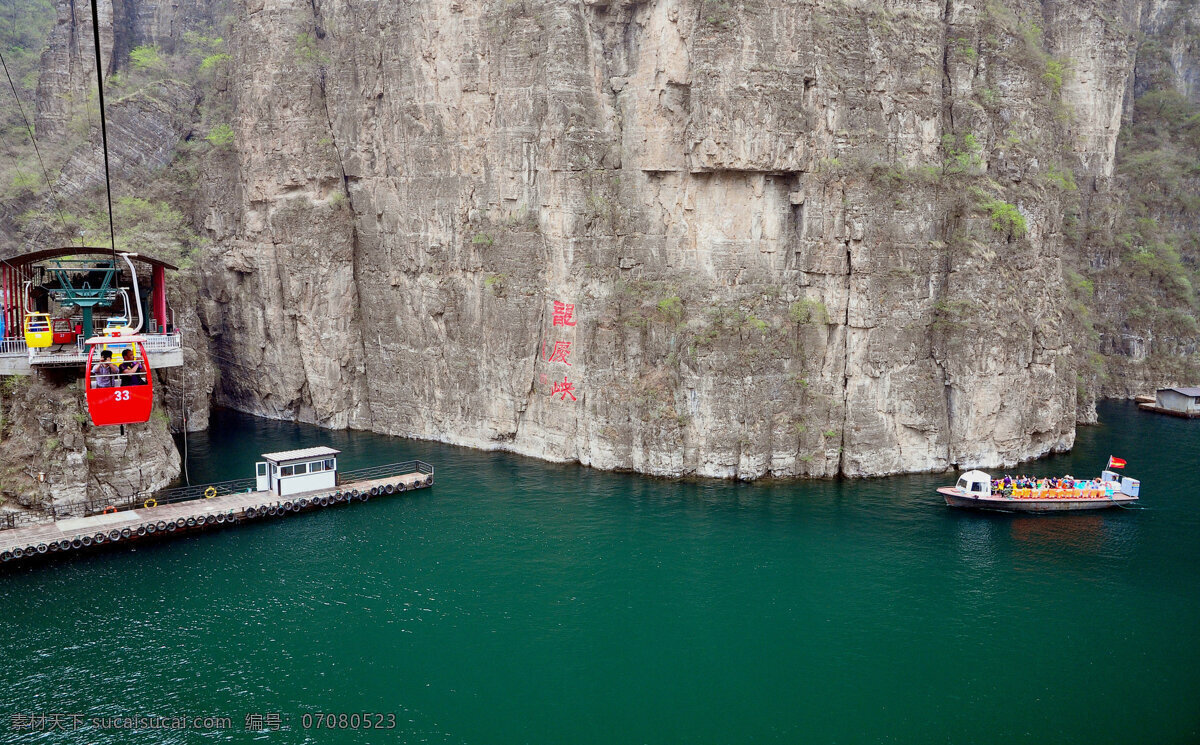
(103, 128)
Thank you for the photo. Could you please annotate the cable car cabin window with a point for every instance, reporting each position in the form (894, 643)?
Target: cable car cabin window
(285, 471)
(329, 465)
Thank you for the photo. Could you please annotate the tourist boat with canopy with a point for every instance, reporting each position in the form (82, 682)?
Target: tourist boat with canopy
(976, 489)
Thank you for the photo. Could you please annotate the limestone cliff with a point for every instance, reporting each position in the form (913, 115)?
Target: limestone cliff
(734, 238)
(799, 237)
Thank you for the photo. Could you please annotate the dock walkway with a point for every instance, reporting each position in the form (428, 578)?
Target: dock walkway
(163, 520)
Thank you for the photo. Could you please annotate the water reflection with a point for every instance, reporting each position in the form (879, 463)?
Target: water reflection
(1055, 532)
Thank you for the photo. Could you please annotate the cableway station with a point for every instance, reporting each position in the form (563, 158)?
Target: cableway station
(52, 301)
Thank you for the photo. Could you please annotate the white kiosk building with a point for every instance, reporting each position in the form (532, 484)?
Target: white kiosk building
(295, 471)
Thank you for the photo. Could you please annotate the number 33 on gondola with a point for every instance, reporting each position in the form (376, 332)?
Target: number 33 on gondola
(120, 389)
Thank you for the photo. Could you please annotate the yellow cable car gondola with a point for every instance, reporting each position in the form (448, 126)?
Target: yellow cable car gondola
(37, 330)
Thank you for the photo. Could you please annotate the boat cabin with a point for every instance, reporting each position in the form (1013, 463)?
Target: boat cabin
(976, 483)
(1128, 486)
(294, 471)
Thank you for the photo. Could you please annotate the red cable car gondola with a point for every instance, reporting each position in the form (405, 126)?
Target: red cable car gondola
(63, 330)
(122, 392)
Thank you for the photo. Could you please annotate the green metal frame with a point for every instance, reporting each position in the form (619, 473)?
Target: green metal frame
(83, 297)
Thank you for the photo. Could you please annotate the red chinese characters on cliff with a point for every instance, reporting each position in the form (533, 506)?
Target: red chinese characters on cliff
(560, 352)
(564, 313)
(565, 388)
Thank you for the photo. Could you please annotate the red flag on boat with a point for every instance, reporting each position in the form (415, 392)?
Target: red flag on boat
(1115, 462)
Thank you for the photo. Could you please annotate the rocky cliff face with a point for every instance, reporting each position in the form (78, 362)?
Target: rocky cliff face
(50, 456)
(718, 237)
(798, 238)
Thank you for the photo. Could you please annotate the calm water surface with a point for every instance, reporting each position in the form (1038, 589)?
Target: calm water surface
(521, 602)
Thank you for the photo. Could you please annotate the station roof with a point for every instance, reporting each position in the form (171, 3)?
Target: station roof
(1193, 392)
(316, 452)
(55, 253)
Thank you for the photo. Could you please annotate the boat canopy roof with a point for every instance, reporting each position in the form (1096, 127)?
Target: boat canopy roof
(976, 475)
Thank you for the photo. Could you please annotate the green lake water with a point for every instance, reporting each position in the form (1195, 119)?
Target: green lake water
(524, 602)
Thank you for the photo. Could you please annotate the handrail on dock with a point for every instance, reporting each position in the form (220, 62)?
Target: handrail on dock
(374, 472)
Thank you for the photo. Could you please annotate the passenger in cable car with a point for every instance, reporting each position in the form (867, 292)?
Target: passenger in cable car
(104, 372)
(133, 372)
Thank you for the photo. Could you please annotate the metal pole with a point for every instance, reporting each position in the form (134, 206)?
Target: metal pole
(159, 286)
(137, 295)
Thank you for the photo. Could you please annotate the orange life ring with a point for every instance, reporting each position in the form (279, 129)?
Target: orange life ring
(109, 510)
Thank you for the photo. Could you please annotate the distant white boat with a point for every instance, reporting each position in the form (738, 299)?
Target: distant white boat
(974, 489)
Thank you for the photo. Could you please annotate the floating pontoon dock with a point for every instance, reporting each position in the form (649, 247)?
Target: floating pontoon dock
(177, 511)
